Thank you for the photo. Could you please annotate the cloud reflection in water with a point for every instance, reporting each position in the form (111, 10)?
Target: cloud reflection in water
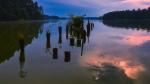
(136, 39)
(131, 67)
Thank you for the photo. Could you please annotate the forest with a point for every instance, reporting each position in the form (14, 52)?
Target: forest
(20, 10)
(128, 14)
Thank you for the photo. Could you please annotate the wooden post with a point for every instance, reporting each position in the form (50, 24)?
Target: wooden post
(67, 56)
(48, 40)
(55, 53)
(78, 42)
(72, 42)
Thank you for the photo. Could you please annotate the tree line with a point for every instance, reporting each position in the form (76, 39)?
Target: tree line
(128, 14)
(129, 24)
(20, 10)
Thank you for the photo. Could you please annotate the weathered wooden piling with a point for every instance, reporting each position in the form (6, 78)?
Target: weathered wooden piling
(60, 30)
(60, 39)
(55, 53)
(60, 35)
(78, 42)
(72, 41)
(88, 32)
(67, 56)
(67, 31)
(82, 48)
(84, 34)
(48, 40)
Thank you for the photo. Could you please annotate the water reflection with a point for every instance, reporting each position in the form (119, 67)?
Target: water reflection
(129, 24)
(86, 51)
(131, 67)
(22, 57)
(77, 38)
(136, 39)
(109, 73)
(10, 32)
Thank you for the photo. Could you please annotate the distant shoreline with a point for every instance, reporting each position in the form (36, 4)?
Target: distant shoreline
(23, 21)
(47, 19)
(41, 20)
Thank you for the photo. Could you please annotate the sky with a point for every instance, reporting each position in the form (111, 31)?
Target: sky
(89, 7)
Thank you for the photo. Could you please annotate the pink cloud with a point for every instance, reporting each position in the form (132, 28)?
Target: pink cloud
(137, 3)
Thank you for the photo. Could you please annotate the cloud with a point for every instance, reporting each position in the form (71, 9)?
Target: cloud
(90, 3)
(102, 6)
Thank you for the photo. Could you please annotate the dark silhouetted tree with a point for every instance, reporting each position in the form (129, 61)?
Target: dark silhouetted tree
(20, 9)
(128, 14)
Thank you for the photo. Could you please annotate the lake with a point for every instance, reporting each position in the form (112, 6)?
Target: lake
(112, 53)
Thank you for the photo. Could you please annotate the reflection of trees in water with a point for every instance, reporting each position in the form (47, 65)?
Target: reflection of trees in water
(108, 74)
(129, 24)
(9, 34)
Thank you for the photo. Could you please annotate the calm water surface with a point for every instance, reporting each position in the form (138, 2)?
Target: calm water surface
(110, 54)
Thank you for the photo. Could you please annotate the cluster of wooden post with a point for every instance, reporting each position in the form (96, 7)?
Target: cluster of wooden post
(55, 50)
(80, 40)
(67, 55)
